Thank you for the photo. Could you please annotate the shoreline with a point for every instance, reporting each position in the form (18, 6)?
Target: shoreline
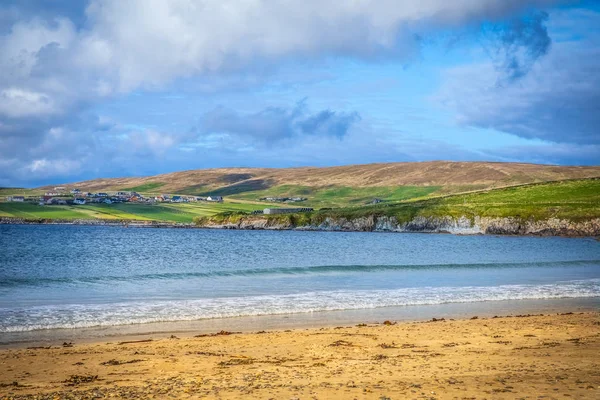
(593, 233)
(553, 355)
(308, 320)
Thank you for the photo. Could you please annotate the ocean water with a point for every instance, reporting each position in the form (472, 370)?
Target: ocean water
(54, 276)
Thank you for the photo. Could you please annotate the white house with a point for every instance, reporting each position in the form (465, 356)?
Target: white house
(218, 199)
(79, 201)
(19, 199)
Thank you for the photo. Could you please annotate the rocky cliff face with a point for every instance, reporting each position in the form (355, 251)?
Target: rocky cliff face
(465, 226)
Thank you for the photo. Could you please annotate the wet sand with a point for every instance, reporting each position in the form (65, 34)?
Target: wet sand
(530, 357)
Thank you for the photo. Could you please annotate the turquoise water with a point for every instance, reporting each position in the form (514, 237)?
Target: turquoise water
(54, 276)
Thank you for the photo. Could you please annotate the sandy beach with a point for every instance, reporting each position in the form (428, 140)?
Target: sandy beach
(529, 357)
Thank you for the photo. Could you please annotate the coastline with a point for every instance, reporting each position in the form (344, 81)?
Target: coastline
(479, 356)
(306, 320)
(460, 226)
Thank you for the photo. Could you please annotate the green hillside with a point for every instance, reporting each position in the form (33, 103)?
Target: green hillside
(173, 212)
(575, 200)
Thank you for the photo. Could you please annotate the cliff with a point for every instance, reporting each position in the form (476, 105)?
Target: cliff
(373, 223)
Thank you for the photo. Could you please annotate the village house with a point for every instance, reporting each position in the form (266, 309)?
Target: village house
(79, 201)
(218, 199)
(286, 210)
(75, 191)
(19, 199)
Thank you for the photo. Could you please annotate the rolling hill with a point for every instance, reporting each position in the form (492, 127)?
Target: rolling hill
(444, 176)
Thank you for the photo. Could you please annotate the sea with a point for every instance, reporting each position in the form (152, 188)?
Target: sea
(65, 277)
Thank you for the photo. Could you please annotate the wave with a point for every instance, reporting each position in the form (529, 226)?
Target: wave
(95, 315)
(322, 269)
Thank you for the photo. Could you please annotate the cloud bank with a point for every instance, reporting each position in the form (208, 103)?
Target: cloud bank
(60, 60)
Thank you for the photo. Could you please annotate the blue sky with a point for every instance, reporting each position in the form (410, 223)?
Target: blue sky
(106, 88)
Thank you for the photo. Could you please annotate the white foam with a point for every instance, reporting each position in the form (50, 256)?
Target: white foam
(86, 315)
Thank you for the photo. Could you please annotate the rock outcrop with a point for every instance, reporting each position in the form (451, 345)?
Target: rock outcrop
(462, 225)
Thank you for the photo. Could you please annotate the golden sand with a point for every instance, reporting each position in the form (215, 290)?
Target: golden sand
(526, 357)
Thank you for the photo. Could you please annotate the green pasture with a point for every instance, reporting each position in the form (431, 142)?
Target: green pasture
(575, 200)
(167, 212)
(340, 196)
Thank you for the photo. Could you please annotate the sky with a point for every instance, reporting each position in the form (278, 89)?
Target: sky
(109, 88)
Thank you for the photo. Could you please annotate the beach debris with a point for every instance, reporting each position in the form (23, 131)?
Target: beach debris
(117, 362)
(437, 319)
(14, 384)
(236, 361)
(220, 333)
(475, 317)
(67, 344)
(173, 337)
(75, 380)
(135, 341)
(78, 363)
(451, 344)
(388, 346)
(341, 343)
(361, 325)
(386, 322)
(379, 357)
(39, 348)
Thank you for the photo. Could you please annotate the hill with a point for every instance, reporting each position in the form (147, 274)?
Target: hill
(415, 179)
(569, 207)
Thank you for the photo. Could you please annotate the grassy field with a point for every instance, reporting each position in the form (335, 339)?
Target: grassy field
(574, 200)
(340, 196)
(168, 212)
(145, 188)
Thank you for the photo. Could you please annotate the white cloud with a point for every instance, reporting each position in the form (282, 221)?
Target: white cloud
(557, 101)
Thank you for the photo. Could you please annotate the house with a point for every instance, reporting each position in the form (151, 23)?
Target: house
(286, 210)
(75, 191)
(59, 188)
(19, 199)
(52, 194)
(177, 199)
(107, 201)
(102, 194)
(218, 199)
(79, 200)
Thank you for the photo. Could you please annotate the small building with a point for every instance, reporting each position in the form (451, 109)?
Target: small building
(177, 199)
(286, 210)
(217, 199)
(75, 191)
(18, 199)
(60, 188)
(107, 201)
(79, 200)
